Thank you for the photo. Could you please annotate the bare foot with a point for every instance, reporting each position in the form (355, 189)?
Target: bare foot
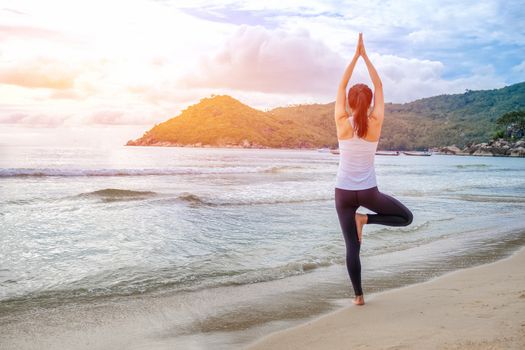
(360, 221)
(359, 300)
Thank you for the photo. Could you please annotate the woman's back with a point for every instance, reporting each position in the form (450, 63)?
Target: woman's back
(356, 163)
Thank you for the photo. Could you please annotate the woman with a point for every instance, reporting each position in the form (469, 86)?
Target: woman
(356, 184)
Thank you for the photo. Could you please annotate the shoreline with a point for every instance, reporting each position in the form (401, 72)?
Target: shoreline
(315, 149)
(480, 307)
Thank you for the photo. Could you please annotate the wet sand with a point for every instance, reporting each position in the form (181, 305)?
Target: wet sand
(476, 308)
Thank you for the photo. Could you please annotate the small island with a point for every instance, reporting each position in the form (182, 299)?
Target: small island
(222, 121)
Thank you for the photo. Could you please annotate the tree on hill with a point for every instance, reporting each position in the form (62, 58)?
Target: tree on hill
(513, 124)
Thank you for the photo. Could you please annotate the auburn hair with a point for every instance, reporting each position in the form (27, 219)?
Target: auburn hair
(359, 100)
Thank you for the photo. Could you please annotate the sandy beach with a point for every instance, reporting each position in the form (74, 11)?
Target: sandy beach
(476, 308)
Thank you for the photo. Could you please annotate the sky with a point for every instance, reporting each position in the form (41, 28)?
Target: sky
(103, 72)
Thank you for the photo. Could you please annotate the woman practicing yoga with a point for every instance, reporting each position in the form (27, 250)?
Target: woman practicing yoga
(356, 184)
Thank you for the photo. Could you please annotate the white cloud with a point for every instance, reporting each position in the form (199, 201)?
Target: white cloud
(272, 62)
(39, 73)
(32, 119)
(519, 70)
(405, 80)
(256, 59)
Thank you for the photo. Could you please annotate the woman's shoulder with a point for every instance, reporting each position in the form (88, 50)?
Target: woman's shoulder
(376, 117)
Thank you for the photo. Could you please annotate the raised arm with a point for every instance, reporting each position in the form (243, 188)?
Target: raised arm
(378, 111)
(340, 100)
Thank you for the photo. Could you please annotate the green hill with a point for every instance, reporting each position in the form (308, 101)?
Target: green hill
(430, 122)
(449, 119)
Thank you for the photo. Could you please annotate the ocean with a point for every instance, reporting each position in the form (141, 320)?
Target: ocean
(209, 248)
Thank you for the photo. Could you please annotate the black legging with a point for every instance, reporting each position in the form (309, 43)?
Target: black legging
(390, 212)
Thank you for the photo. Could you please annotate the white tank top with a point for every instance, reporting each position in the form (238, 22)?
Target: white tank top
(356, 163)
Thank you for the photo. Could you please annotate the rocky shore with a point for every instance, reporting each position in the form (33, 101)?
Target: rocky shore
(494, 148)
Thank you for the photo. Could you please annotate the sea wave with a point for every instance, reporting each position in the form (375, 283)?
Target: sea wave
(476, 166)
(192, 199)
(116, 194)
(106, 195)
(488, 198)
(388, 232)
(131, 281)
(196, 200)
(403, 230)
(72, 172)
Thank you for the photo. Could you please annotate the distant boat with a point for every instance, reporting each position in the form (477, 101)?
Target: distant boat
(334, 151)
(416, 153)
(323, 150)
(387, 153)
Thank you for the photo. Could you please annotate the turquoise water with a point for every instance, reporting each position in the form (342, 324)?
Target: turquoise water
(174, 245)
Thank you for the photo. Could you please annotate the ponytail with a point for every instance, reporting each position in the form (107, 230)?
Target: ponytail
(361, 116)
(359, 99)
